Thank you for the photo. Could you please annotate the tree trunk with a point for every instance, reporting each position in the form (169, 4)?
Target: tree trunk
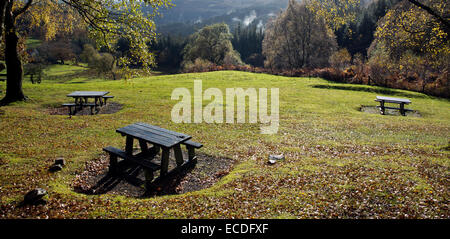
(13, 63)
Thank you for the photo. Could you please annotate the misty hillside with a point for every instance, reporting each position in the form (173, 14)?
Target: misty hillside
(190, 15)
(192, 11)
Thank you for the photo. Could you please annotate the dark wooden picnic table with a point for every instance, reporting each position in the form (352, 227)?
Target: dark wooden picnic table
(82, 100)
(161, 139)
(383, 100)
(85, 95)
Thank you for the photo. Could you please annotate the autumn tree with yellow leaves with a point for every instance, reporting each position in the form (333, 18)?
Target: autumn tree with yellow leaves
(412, 41)
(107, 21)
(410, 28)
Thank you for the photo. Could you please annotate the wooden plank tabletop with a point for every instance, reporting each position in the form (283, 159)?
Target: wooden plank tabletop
(154, 134)
(393, 100)
(88, 94)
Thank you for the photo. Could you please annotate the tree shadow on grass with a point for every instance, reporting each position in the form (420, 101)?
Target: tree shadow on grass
(76, 82)
(446, 148)
(371, 89)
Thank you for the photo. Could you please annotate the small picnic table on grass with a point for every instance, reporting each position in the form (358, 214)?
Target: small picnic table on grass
(161, 139)
(383, 100)
(82, 99)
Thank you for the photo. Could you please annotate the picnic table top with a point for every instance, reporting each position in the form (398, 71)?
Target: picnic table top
(154, 134)
(393, 100)
(88, 94)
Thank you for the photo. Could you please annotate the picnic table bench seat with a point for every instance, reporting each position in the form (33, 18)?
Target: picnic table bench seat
(140, 159)
(191, 143)
(73, 105)
(70, 106)
(394, 108)
(108, 97)
(105, 99)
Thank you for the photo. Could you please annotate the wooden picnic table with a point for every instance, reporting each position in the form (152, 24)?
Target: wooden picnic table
(161, 139)
(85, 95)
(383, 100)
(82, 100)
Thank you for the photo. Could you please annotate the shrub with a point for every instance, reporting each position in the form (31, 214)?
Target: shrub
(101, 62)
(232, 58)
(199, 65)
(340, 59)
(330, 74)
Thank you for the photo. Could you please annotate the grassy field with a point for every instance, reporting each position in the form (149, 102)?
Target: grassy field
(340, 162)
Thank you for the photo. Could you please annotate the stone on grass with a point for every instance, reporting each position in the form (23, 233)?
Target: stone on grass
(55, 168)
(60, 161)
(57, 165)
(273, 159)
(276, 157)
(35, 196)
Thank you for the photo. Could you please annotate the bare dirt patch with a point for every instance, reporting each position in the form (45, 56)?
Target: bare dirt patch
(94, 179)
(110, 108)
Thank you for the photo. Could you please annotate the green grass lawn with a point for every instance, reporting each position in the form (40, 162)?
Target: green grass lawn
(33, 43)
(340, 162)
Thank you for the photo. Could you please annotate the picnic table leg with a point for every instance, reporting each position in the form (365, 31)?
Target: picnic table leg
(129, 145)
(70, 111)
(144, 147)
(165, 161)
(178, 155)
(382, 109)
(191, 153)
(148, 173)
(96, 102)
(154, 150)
(402, 109)
(78, 103)
(100, 102)
(113, 168)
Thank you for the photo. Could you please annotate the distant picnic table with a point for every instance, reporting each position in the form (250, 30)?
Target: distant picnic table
(402, 102)
(82, 100)
(161, 139)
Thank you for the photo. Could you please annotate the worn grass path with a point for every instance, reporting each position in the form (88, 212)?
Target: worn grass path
(340, 162)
